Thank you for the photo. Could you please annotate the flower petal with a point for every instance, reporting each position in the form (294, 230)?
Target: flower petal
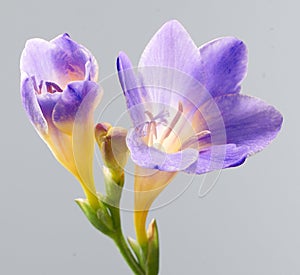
(32, 107)
(218, 157)
(247, 120)
(47, 103)
(132, 89)
(224, 65)
(60, 60)
(66, 108)
(83, 131)
(172, 47)
(36, 59)
(149, 157)
(170, 68)
(75, 58)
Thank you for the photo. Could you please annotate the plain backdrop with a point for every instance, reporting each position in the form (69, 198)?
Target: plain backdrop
(248, 224)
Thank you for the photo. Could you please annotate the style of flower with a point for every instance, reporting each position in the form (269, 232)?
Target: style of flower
(187, 112)
(59, 93)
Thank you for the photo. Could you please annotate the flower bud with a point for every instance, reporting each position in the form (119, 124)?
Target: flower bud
(112, 145)
(152, 260)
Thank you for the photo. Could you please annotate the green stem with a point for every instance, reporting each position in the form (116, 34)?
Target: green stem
(120, 241)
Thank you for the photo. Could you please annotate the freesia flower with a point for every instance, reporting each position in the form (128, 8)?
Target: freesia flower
(59, 93)
(187, 111)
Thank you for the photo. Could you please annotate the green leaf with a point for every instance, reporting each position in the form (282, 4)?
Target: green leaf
(100, 219)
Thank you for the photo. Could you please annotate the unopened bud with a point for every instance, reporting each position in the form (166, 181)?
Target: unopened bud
(112, 144)
(152, 260)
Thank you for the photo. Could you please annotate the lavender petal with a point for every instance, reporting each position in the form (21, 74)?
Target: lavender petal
(223, 65)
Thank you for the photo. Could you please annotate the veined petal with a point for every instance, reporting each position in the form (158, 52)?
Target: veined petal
(218, 157)
(36, 60)
(83, 133)
(133, 90)
(150, 157)
(170, 68)
(32, 107)
(248, 121)
(75, 59)
(166, 87)
(172, 47)
(60, 60)
(223, 65)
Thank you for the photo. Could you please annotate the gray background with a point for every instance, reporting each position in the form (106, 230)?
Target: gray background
(248, 224)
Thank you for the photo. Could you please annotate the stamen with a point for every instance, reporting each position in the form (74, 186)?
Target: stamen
(173, 123)
(150, 135)
(151, 132)
(52, 88)
(40, 86)
(151, 128)
(149, 115)
(194, 139)
(34, 83)
(36, 88)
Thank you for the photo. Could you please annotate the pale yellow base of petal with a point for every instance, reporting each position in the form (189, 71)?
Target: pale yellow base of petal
(148, 184)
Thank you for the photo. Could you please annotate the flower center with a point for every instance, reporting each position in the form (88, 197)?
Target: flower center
(152, 125)
(157, 138)
(51, 87)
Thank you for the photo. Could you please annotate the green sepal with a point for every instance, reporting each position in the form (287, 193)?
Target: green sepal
(152, 260)
(136, 248)
(100, 219)
(113, 185)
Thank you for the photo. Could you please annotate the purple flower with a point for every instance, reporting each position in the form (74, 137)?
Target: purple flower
(59, 94)
(187, 112)
(178, 83)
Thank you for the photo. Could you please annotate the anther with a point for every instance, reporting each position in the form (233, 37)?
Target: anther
(38, 89)
(52, 87)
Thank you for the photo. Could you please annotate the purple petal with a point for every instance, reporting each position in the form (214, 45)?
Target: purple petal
(66, 108)
(170, 68)
(149, 157)
(36, 60)
(32, 107)
(248, 121)
(132, 89)
(218, 157)
(47, 103)
(75, 58)
(83, 140)
(172, 47)
(60, 60)
(166, 88)
(224, 65)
